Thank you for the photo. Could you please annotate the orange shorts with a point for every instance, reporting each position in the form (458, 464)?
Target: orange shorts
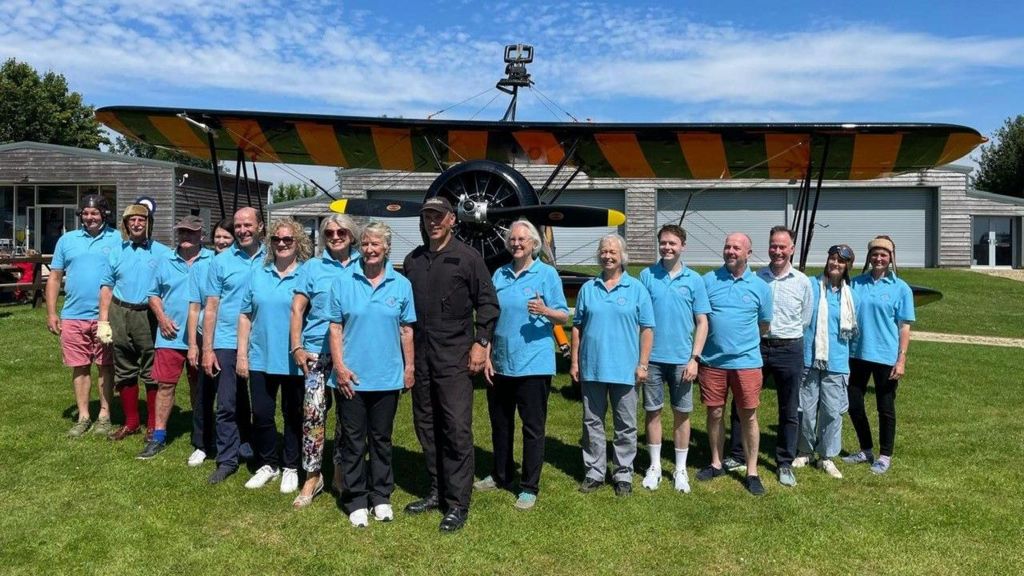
(716, 382)
(79, 345)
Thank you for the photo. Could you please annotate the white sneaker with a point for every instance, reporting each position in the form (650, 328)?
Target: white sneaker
(682, 481)
(359, 518)
(289, 480)
(801, 461)
(265, 474)
(652, 478)
(196, 458)
(830, 468)
(383, 512)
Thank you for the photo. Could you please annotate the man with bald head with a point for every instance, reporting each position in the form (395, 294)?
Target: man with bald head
(226, 284)
(741, 311)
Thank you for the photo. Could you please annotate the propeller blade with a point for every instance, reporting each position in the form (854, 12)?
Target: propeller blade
(564, 215)
(376, 208)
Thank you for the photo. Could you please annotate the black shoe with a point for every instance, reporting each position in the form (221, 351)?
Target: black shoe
(423, 505)
(623, 489)
(221, 473)
(454, 520)
(152, 449)
(709, 473)
(590, 485)
(754, 486)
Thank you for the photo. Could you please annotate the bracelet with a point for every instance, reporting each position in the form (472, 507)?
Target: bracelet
(643, 367)
(292, 351)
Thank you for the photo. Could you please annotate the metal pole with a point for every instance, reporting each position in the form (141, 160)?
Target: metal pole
(216, 172)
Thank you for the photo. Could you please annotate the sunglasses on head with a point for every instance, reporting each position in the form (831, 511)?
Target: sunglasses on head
(841, 250)
(286, 240)
(335, 233)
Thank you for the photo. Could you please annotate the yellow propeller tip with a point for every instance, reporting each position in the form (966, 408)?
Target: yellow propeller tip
(339, 205)
(616, 218)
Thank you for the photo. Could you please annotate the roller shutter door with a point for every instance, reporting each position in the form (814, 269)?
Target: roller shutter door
(579, 245)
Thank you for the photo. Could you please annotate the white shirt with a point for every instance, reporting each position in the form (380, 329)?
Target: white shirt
(791, 302)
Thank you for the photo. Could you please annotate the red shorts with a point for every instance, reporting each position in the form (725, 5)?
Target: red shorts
(79, 345)
(716, 382)
(167, 365)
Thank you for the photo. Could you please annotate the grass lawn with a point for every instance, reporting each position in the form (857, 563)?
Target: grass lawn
(951, 504)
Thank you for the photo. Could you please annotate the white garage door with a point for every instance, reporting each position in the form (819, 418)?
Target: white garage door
(579, 245)
(713, 214)
(855, 216)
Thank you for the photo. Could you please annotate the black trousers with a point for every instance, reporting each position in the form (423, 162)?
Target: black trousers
(885, 399)
(234, 418)
(442, 410)
(784, 364)
(202, 413)
(530, 395)
(365, 422)
(263, 389)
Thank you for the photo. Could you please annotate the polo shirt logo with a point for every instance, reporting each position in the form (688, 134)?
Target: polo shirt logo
(683, 291)
(527, 291)
(391, 301)
(621, 301)
(105, 249)
(746, 298)
(885, 297)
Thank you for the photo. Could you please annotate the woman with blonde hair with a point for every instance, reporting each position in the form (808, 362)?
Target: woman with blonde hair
(263, 354)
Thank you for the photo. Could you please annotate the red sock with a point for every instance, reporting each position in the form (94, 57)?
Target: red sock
(130, 405)
(151, 407)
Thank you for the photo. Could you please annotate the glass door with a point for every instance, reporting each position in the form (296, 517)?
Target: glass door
(993, 241)
(50, 223)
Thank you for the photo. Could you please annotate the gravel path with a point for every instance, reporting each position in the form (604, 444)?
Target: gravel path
(966, 339)
(1011, 274)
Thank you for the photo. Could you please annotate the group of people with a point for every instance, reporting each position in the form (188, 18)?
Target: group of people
(251, 320)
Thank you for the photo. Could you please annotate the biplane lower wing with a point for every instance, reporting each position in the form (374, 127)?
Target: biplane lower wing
(686, 151)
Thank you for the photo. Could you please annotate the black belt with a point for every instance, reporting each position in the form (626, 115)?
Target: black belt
(128, 305)
(777, 342)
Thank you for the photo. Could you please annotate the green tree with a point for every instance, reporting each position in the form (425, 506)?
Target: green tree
(1001, 168)
(138, 149)
(42, 109)
(291, 191)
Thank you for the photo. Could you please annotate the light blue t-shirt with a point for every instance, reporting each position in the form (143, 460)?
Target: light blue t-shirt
(676, 301)
(316, 279)
(881, 307)
(524, 344)
(228, 280)
(371, 319)
(132, 268)
(197, 278)
(610, 323)
(738, 305)
(84, 260)
(171, 284)
(838, 350)
(268, 302)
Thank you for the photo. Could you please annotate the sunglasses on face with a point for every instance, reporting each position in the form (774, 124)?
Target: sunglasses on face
(286, 240)
(841, 250)
(336, 233)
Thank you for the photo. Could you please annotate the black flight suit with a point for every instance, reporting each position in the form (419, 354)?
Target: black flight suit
(447, 287)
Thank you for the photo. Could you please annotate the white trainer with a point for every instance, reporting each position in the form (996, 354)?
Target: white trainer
(681, 481)
(383, 512)
(652, 478)
(265, 474)
(830, 468)
(801, 461)
(196, 458)
(360, 518)
(289, 480)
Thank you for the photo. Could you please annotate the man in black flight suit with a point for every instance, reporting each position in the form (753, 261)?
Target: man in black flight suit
(449, 282)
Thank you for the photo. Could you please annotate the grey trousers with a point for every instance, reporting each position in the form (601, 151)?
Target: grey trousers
(823, 402)
(595, 451)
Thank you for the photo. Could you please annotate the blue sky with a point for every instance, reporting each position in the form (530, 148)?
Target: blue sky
(685, 61)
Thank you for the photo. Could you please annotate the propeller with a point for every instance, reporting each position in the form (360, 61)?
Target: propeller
(567, 215)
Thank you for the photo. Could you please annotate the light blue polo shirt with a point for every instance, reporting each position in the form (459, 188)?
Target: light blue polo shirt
(197, 278)
(881, 307)
(268, 302)
(676, 301)
(316, 279)
(132, 268)
(524, 344)
(738, 305)
(610, 323)
(838, 350)
(371, 318)
(171, 284)
(84, 260)
(228, 279)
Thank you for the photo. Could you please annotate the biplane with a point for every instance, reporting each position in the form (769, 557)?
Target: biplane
(475, 160)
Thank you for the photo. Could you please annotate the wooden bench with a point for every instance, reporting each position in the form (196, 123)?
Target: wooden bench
(37, 287)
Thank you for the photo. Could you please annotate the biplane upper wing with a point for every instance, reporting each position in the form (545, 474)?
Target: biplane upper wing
(687, 151)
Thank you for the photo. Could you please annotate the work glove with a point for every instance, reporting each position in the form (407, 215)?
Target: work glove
(104, 333)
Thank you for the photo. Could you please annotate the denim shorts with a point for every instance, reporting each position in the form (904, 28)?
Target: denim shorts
(680, 393)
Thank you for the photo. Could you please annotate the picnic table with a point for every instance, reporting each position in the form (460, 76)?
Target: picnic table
(11, 269)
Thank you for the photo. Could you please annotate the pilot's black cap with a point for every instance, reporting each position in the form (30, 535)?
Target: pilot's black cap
(437, 204)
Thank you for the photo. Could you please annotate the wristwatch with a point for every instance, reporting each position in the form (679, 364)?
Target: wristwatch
(483, 341)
